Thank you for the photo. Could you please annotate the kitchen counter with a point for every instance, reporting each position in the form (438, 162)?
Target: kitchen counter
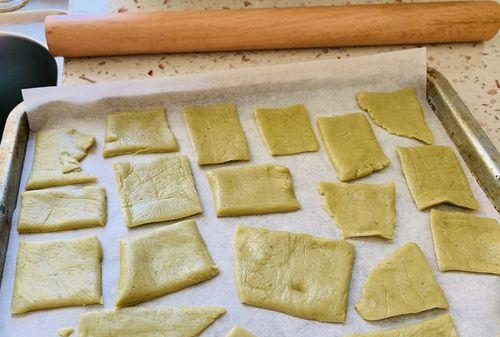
(472, 68)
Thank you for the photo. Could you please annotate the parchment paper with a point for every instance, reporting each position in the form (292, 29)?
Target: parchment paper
(326, 88)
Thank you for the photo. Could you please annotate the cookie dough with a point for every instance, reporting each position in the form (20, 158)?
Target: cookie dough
(441, 326)
(252, 189)
(55, 274)
(216, 134)
(286, 130)
(56, 161)
(466, 242)
(402, 283)
(239, 332)
(161, 262)
(156, 189)
(65, 332)
(351, 145)
(138, 132)
(57, 210)
(360, 209)
(298, 274)
(399, 112)
(434, 176)
(148, 322)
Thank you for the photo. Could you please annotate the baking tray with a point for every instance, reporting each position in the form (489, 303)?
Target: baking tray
(476, 149)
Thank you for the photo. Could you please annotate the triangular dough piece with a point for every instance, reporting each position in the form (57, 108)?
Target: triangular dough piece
(466, 242)
(441, 326)
(238, 331)
(403, 283)
(148, 322)
(161, 262)
(56, 161)
(398, 112)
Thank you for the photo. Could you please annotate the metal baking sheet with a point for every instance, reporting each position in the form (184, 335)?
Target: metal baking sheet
(326, 88)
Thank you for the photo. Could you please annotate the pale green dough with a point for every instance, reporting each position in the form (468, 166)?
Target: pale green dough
(286, 130)
(238, 331)
(399, 112)
(403, 283)
(65, 332)
(441, 326)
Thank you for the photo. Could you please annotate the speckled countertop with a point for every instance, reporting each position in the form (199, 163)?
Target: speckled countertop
(472, 68)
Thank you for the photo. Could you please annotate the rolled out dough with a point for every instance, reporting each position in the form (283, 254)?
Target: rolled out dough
(351, 145)
(360, 209)
(56, 161)
(298, 274)
(161, 262)
(286, 130)
(55, 274)
(239, 332)
(216, 134)
(252, 189)
(466, 242)
(156, 189)
(138, 132)
(56, 210)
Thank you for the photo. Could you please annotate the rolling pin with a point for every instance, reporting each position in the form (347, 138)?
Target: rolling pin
(273, 28)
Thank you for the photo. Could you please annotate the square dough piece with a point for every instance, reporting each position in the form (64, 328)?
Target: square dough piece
(398, 112)
(154, 190)
(298, 274)
(216, 134)
(360, 209)
(148, 322)
(57, 210)
(466, 242)
(56, 161)
(138, 132)
(434, 176)
(161, 262)
(55, 274)
(253, 189)
(351, 145)
(286, 130)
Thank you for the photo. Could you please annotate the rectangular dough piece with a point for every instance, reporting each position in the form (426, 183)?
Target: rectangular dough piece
(216, 134)
(56, 274)
(57, 210)
(360, 209)
(434, 176)
(294, 273)
(156, 189)
(466, 242)
(351, 146)
(252, 189)
(132, 132)
(286, 130)
(56, 161)
(161, 262)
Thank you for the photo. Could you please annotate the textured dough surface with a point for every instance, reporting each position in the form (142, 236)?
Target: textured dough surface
(216, 134)
(441, 326)
(57, 210)
(351, 146)
(360, 209)
(56, 161)
(238, 331)
(298, 274)
(55, 274)
(466, 242)
(399, 112)
(158, 189)
(403, 283)
(65, 332)
(148, 322)
(286, 130)
(138, 132)
(161, 262)
(252, 189)
(434, 176)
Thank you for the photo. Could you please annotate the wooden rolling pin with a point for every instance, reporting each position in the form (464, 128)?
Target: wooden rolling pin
(273, 28)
